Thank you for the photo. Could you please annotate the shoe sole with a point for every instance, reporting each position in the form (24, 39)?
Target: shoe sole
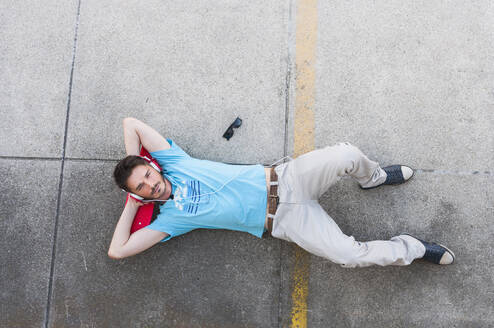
(451, 252)
(393, 184)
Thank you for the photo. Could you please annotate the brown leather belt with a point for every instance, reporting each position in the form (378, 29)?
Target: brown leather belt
(273, 199)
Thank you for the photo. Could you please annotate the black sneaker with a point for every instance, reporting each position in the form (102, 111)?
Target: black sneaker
(395, 174)
(436, 253)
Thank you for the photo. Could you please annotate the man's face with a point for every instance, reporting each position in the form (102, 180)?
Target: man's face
(146, 182)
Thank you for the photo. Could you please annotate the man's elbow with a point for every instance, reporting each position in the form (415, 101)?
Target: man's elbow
(114, 255)
(128, 121)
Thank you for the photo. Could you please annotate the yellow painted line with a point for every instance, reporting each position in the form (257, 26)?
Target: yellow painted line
(305, 56)
(300, 291)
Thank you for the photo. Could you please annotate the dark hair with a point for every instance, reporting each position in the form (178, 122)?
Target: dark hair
(156, 211)
(124, 168)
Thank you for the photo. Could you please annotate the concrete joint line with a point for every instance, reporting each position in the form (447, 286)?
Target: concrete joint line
(60, 183)
(112, 160)
(65, 159)
(288, 76)
(454, 172)
(26, 158)
(75, 159)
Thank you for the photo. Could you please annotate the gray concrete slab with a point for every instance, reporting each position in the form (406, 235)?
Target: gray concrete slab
(201, 279)
(36, 43)
(188, 69)
(453, 210)
(27, 222)
(287, 274)
(404, 82)
(410, 82)
(407, 83)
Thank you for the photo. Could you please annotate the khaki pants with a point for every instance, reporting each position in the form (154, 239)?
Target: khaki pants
(300, 219)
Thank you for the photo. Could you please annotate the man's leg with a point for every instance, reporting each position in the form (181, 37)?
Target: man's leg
(310, 227)
(302, 220)
(318, 170)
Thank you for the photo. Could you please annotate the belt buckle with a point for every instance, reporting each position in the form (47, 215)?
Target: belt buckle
(275, 197)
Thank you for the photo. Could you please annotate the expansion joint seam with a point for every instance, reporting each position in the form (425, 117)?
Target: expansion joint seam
(60, 183)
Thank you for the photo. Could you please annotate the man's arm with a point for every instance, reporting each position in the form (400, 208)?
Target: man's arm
(124, 244)
(121, 245)
(137, 133)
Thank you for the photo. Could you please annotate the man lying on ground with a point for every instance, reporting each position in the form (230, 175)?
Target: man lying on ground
(281, 200)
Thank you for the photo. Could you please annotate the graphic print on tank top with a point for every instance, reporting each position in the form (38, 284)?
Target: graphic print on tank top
(187, 196)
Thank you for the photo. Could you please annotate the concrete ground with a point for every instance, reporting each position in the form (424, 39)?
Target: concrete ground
(407, 82)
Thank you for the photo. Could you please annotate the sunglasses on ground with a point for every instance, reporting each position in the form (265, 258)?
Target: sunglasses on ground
(229, 132)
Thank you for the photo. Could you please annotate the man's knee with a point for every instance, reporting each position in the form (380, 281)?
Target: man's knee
(349, 149)
(345, 154)
(348, 252)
